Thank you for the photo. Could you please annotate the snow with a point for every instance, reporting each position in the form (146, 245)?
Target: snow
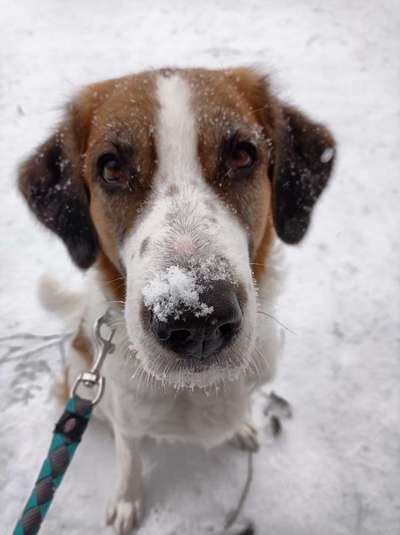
(173, 291)
(335, 468)
(327, 155)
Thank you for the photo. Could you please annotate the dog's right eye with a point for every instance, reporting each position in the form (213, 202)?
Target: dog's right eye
(110, 169)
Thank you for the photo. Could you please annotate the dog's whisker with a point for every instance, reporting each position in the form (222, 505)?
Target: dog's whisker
(262, 357)
(253, 368)
(277, 321)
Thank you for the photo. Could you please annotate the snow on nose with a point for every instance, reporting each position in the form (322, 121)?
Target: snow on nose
(173, 291)
(178, 289)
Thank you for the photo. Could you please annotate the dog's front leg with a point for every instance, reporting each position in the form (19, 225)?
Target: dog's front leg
(125, 510)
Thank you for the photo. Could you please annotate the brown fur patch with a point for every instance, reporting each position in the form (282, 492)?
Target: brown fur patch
(62, 388)
(261, 257)
(81, 343)
(112, 278)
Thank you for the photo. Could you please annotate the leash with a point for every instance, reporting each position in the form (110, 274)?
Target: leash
(67, 435)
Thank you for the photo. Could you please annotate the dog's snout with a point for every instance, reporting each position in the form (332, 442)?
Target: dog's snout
(201, 335)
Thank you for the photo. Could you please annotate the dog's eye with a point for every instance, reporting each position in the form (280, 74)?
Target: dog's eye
(242, 156)
(110, 169)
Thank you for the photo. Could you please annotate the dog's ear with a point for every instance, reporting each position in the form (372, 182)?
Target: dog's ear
(51, 182)
(301, 166)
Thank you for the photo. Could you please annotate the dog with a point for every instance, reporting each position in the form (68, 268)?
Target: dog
(173, 188)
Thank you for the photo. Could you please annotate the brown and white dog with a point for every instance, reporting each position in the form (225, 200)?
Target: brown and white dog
(171, 185)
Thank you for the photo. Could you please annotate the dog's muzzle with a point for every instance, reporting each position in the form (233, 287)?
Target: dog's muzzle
(202, 331)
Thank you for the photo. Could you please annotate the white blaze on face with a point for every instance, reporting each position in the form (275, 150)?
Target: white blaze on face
(177, 136)
(185, 222)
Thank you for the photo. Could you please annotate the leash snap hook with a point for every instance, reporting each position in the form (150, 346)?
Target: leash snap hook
(89, 380)
(92, 378)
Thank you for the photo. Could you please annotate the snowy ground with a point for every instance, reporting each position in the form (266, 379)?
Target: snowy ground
(336, 468)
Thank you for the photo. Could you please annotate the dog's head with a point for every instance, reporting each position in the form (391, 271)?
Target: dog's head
(171, 182)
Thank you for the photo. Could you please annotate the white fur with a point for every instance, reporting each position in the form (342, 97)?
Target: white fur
(209, 407)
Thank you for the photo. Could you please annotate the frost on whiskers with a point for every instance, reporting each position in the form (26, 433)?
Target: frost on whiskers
(177, 289)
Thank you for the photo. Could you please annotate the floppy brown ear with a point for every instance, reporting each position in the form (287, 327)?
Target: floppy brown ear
(51, 182)
(303, 163)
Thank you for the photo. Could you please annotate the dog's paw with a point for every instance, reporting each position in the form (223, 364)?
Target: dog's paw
(124, 515)
(246, 439)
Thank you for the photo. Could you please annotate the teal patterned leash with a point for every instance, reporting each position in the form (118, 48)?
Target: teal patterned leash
(67, 435)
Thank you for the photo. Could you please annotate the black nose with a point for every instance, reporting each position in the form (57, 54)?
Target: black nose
(199, 337)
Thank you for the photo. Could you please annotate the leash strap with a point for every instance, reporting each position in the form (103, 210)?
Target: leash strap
(67, 435)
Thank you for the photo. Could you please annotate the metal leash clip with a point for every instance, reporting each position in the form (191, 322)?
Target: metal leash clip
(105, 346)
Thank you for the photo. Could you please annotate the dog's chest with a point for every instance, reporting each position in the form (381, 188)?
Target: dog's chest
(140, 408)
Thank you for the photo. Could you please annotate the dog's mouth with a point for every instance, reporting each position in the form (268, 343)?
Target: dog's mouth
(182, 363)
(190, 372)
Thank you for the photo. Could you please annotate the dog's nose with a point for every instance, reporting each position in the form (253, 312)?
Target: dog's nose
(200, 336)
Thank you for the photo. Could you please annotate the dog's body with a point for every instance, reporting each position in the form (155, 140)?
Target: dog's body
(170, 183)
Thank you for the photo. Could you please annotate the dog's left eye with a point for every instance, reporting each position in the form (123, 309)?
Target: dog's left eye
(242, 156)
(110, 169)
